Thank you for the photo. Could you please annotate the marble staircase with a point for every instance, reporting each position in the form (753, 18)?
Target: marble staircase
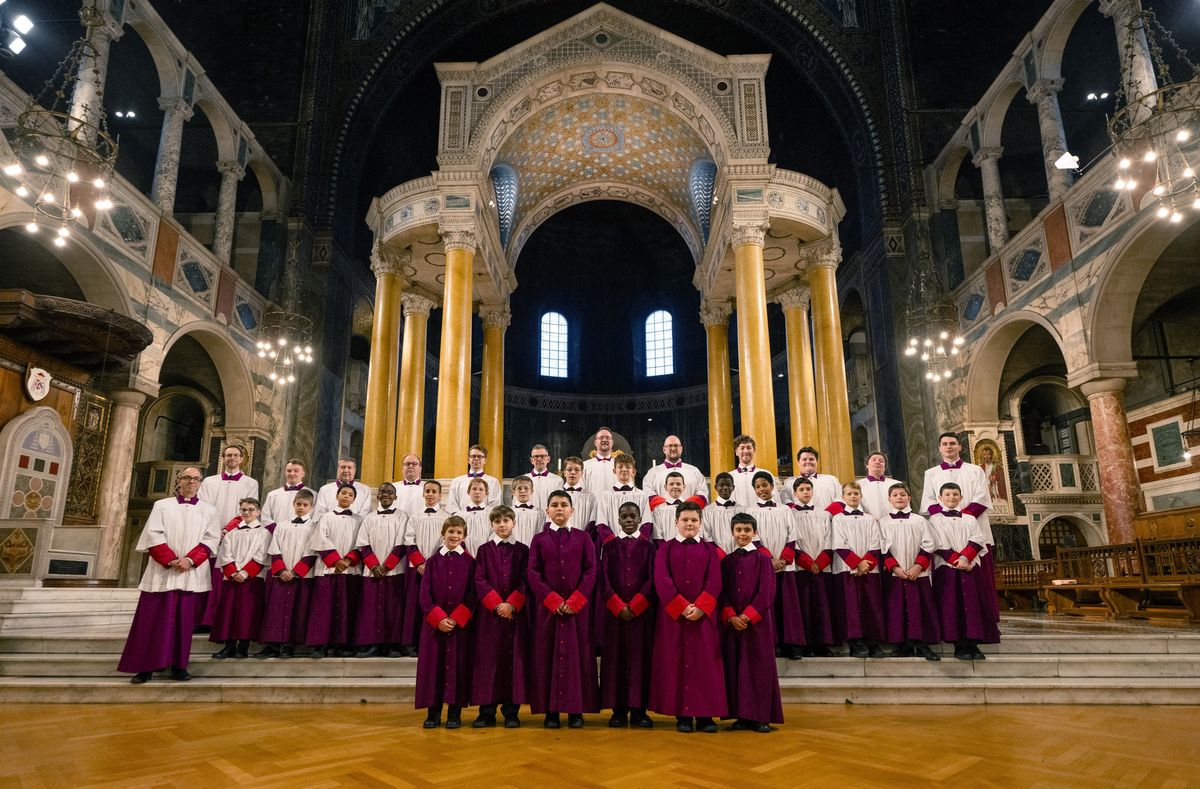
(71, 656)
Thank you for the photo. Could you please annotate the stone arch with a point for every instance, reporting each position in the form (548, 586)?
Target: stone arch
(222, 129)
(266, 185)
(166, 63)
(1091, 532)
(992, 121)
(947, 177)
(96, 276)
(1055, 43)
(148, 449)
(237, 385)
(987, 362)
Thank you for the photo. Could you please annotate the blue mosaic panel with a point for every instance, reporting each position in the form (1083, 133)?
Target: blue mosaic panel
(196, 278)
(974, 305)
(1098, 208)
(246, 316)
(701, 180)
(504, 182)
(1026, 265)
(126, 223)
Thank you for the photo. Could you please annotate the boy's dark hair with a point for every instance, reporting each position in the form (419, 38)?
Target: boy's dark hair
(297, 462)
(743, 517)
(390, 485)
(899, 486)
(687, 506)
(431, 482)
(560, 494)
(809, 450)
(501, 511)
(477, 481)
(743, 439)
(624, 460)
(350, 488)
(629, 504)
(949, 486)
(578, 461)
(798, 481)
(453, 521)
(762, 475)
(723, 475)
(674, 474)
(250, 500)
(304, 494)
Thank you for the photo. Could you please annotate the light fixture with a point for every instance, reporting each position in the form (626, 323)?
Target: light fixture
(932, 318)
(1067, 162)
(1192, 425)
(23, 24)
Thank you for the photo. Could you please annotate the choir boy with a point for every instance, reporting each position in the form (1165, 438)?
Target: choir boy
(718, 514)
(858, 592)
(909, 608)
(663, 508)
(447, 602)
(814, 581)
(826, 488)
(278, 506)
(501, 627)
(688, 680)
(380, 628)
(625, 490)
(655, 480)
(876, 486)
(599, 476)
(242, 555)
(562, 579)
(475, 512)
(289, 583)
(584, 502)
(460, 494)
(745, 448)
(748, 643)
(529, 517)
(423, 538)
(180, 534)
(223, 491)
(327, 496)
(775, 531)
(544, 480)
(336, 578)
(627, 590)
(410, 488)
(958, 583)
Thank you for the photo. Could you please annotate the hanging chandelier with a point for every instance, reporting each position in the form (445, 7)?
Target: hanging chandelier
(65, 156)
(932, 317)
(1154, 134)
(285, 335)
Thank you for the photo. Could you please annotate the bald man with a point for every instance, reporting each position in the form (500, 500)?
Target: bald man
(654, 482)
(598, 474)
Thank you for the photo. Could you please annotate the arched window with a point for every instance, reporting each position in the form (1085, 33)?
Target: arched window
(553, 353)
(660, 344)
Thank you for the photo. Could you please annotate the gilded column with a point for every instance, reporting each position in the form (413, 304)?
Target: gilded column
(231, 173)
(1137, 65)
(1043, 94)
(454, 363)
(995, 216)
(115, 476)
(834, 405)
(802, 392)
(378, 444)
(495, 319)
(166, 170)
(754, 349)
(1119, 486)
(715, 317)
(410, 409)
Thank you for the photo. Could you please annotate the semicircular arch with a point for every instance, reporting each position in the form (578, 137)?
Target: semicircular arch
(988, 359)
(992, 127)
(237, 384)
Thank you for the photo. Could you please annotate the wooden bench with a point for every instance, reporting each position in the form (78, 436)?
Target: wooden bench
(1172, 572)
(1094, 581)
(1020, 584)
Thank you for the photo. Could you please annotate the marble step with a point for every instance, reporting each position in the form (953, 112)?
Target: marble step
(15, 690)
(15, 609)
(50, 624)
(9, 594)
(1000, 666)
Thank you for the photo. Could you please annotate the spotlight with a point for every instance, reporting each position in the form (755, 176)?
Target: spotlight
(1150, 156)
(1183, 135)
(14, 46)
(32, 227)
(22, 191)
(23, 25)
(63, 232)
(48, 197)
(1158, 190)
(73, 177)
(1067, 162)
(1163, 212)
(98, 183)
(42, 160)
(1188, 172)
(13, 169)
(1176, 217)
(1119, 184)
(1124, 164)
(60, 242)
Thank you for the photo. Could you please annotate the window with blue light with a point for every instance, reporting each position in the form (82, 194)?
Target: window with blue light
(553, 353)
(660, 344)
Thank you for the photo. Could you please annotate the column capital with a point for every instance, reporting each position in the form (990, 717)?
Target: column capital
(416, 303)
(991, 153)
(797, 297)
(128, 398)
(176, 104)
(1113, 8)
(1099, 387)
(459, 238)
(495, 316)
(231, 167)
(389, 262)
(823, 254)
(1043, 89)
(715, 313)
(96, 15)
(752, 231)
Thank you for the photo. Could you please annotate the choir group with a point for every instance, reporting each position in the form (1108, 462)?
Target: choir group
(687, 601)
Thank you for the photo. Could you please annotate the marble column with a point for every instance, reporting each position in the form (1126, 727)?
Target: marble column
(995, 216)
(378, 446)
(802, 390)
(176, 112)
(454, 362)
(1043, 94)
(231, 174)
(1137, 65)
(87, 100)
(715, 317)
(115, 477)
(1119, 487)
(834, 404)
(756, 394)
(410, 408)
(495, 319)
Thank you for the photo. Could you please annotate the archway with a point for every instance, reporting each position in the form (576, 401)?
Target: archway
(176, 423)
(76, 271)
(1059, 532)
(228, 383)
(990, 370)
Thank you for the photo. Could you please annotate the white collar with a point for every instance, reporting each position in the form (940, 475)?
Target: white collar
(621, 535)
(443, 550)
(554, 527)
(254, 524)
(906, 509)
(496, 539)
(723, 502)
(681, 538)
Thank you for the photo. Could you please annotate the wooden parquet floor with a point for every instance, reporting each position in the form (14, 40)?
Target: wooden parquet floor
(294, 747)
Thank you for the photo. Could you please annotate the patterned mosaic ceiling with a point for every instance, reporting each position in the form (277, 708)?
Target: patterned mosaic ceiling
(598, 138)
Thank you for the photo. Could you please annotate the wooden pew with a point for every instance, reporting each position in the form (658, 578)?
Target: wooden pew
(1095, 581)
(1172, 572)
(1020, 584)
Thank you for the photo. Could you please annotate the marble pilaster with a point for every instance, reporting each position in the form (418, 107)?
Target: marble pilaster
(495, 320)
(1119, 487)
(176, 112)
(87, 100)
(231, 174)
(1043, 94)
(995, 215)
(115, 478)
(1137, 65)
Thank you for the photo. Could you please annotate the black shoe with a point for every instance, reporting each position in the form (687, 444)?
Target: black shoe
(512, 722)
(741, 725)
(343, 652)
(762, 728)
(267, 652)
(822, 652)
(287, 651)
(227, 651)
(484, 721)
(684, 725)
(454, 718)
(432, 723)
(794, 653)
(904, 650)
(875, 651)
(964, 653)
(180, 674)
(858, 649)
(619, 719)
(141, 678)
(551, 721)
(395, 651)
(243, 649)
(706, 725)
(924, 651)
(318, 652)
(976, 654)
(371, 651)
(408, 651)
(640, 719)
(574, 721)
(778, 651)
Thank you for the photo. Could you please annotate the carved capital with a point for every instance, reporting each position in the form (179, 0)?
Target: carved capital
(416, 303)
(495, 316)
(389, 262)
(176, 105)
(823, 254)
(1043, 89)
(459, 239)
(1123, 9)
(715, 313)
(748, 232)
(798, 297)
(987, 154)
(230, 167)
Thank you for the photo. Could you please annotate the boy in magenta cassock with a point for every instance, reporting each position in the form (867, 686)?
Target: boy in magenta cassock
(502, 625)
(447, 600)
(627, 591)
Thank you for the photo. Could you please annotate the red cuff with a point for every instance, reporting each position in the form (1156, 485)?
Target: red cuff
(706, 603)
(576, 601)
(639, 604)
(836, 508)
(615, 604)
(766, 552)
(199, 554)
(720, 553)
(727, 613)
(872, 560)
(303, 567)
(974, 509)
(516, 600)
(461, 615)
(853, 559)
(229, 570)
(752, 614)
(331, 558)
(491, 600)
(890, 562)
(435, 616)
(954, 557)
(970, 552)
(655, 501)
(370, 560)
(253, 569)
(923, 561)
(788, 554)
(391, 562)
(553, 601)
(676, 606)
(824, 560)
(804, 560)
(354, 557)
(415, 558)
(277, 566)
(162, 554)
(699, 499)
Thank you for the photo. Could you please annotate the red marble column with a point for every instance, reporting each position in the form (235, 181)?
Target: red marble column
(1118, 478)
